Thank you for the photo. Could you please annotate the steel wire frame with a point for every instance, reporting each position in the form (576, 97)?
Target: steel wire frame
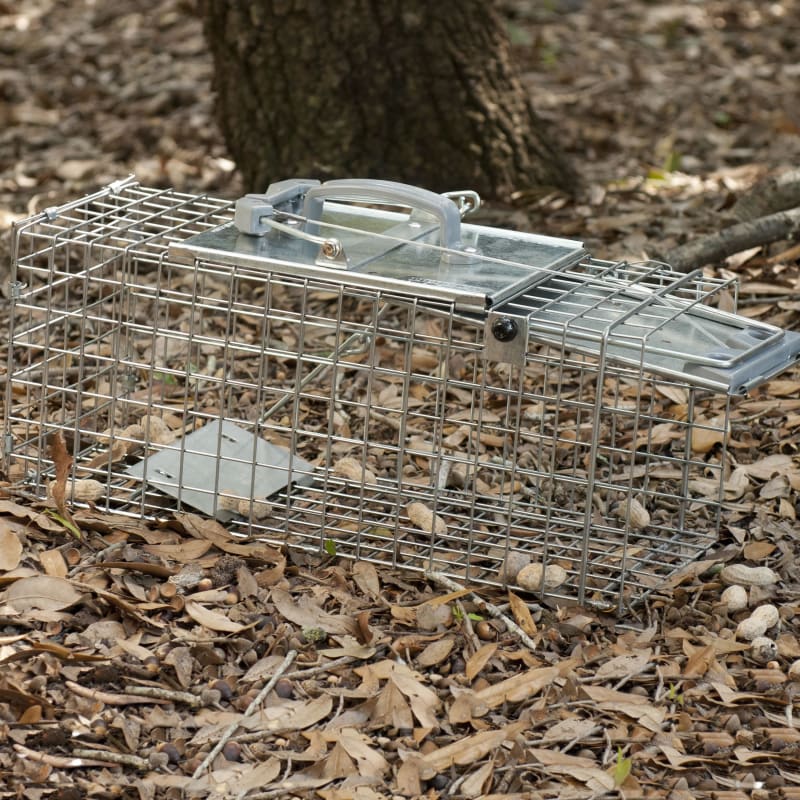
(108, 328)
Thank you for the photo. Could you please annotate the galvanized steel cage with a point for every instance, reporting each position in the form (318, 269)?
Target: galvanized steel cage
(371, 400)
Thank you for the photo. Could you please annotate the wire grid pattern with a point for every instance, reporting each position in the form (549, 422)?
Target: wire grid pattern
(110, 331)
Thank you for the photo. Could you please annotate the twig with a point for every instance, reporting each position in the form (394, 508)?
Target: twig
(158, 693)
(231, 729)
(59, 762)
(720, 245)
(300, 674)
(485, 606)
(125, 759)
(468, 629)
(109, 698)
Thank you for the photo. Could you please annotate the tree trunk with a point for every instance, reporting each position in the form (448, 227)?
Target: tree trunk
(412, 90)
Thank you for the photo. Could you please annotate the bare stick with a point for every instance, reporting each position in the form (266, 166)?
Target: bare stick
(125, 759)
(158, 693)
(231, 729)
(717, 246)
(109, 698)
(483, 605)
(301, 674)
(60, 762)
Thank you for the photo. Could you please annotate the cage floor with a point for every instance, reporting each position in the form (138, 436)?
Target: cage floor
(333, 516)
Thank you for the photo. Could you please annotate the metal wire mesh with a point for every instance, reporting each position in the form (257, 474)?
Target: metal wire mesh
(128, 350)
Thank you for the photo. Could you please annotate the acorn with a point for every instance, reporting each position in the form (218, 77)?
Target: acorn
(172, 752)
(485, 631)
(232, 751)
(224, 689)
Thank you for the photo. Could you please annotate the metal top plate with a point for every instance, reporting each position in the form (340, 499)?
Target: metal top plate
(401, 254)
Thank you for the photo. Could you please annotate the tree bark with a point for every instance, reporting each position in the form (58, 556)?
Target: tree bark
(412, 90)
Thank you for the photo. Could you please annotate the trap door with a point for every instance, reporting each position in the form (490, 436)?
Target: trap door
(425, 254)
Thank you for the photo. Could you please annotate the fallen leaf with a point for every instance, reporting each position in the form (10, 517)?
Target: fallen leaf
(213, 620)
(570, 730)
(306, 613)
(520, 687)
(369, 761)
(581, 769)
(522, 614)
(62, 461)
(366, 578)
(10, 550)
(479, 659)
(467, 750)
(435, 652)
(626, 666)
(631, 705)
(43, 592)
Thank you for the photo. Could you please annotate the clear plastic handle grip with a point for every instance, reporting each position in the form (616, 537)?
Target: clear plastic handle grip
(388, 193)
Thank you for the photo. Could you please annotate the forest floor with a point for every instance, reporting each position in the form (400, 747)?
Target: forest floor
(112, 685)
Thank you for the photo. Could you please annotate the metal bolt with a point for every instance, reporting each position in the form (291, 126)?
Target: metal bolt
(504, 329)
(331, 248)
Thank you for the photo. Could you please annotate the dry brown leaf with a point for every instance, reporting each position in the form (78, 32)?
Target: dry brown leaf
(213, 620)
(435, 652)
(466, 707)
(369, 761)
(467, 750)
(581, 769)
(53, 563)
(526, 684)
(570, 730)
(475, 784)
(62, 461)
(10, 548)
(625, 666)
(366, 578)
(42, 592)
(631, 705)
(707, 434)
(699, 659)
(775, 464)
(183, 553)
(479, 659)
(423, 701)
(390, 709)
(522, 614)
(306, 613)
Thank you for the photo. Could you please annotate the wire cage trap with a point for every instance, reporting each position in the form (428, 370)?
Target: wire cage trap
(315, 367)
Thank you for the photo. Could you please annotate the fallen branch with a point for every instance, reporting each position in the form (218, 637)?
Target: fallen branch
(718, 246)
(231, 729)
(109, 698)
(485, 606)
(123, 759)
(170, 695)
(58, 762)
(772, 194)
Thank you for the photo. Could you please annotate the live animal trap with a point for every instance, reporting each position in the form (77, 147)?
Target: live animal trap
(318, 368)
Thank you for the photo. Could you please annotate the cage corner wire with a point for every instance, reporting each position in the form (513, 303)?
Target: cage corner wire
(307, 405)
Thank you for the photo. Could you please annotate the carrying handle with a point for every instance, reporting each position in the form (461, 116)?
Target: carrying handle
(387, 193)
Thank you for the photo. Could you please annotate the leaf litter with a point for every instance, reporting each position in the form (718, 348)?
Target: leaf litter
(130, 650)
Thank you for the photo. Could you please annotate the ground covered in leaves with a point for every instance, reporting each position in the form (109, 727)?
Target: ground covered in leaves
(130, 654)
